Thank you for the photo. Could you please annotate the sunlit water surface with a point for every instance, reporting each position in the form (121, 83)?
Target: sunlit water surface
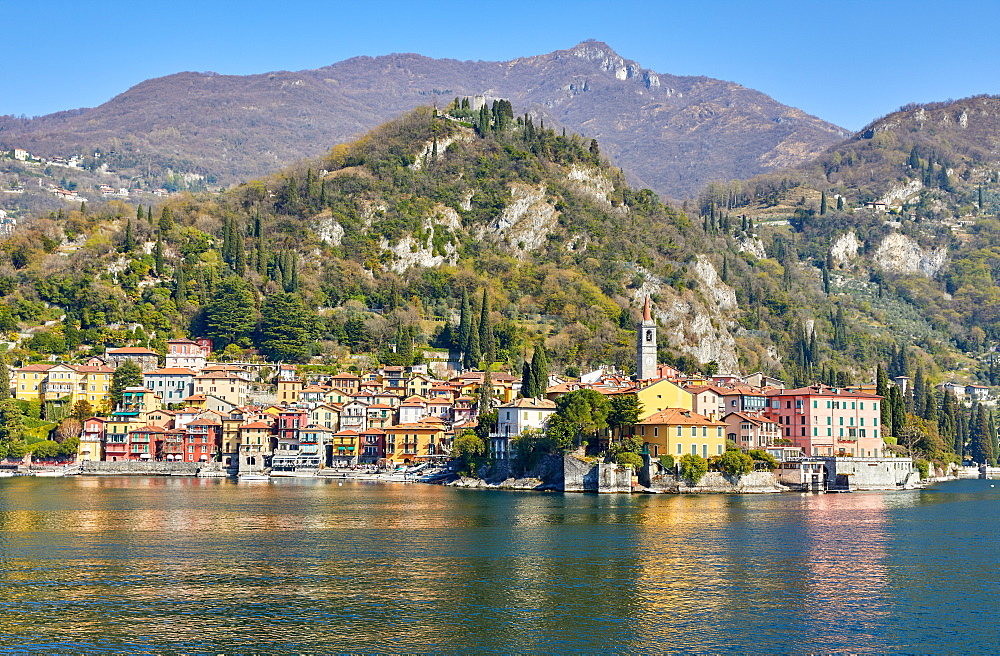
(202, 565)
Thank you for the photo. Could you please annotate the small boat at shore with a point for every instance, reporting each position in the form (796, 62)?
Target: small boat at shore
(250, 478)
(50, 473)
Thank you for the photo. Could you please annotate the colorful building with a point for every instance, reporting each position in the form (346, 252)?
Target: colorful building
(678, 431)
(829, 421)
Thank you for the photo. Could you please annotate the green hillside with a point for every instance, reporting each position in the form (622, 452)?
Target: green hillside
(381, 239)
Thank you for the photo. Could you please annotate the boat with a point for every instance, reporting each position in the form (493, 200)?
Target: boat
(50, 473)
(249, 478)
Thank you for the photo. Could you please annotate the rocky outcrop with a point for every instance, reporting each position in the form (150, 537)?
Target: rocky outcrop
(526, 221)
(845, 248)
(699, 323)
(899, 253)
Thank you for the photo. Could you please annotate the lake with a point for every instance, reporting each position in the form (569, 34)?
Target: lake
(216, 566)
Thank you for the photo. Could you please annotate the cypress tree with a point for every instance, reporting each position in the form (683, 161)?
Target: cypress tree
(979, 436)
(463, 323)
(822, 203)
(158, 257)
(539, 369)
(261, 258)
(486, 392)
(180, 287)
(487, 343)
(138, 213)
(840, 202)
(83, 207)
(4, 378)
(240, 262)
(166, 220)
(129, 244)
(527, 381)
(918, 392)
(473, 354)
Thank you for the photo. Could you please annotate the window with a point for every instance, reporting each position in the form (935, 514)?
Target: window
(680, 448)
(719, 449)
(815, 403)
(656, 431)
(694, 449)
(704, 450)
(694, 431)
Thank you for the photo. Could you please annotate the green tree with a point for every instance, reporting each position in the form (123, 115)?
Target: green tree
(128, 242)
(4, 378)
(127, 374)
(585, 410)
(166, 223)
(158, 258)
(82, 410)
(625, 411)
(287, 330)
(467, 450)
(693, 468)
(527, 381)
(560, 434)
(735, 463)
(230, 316)
(463, 323)
(822, 203)
(539, 369)
(487, 341)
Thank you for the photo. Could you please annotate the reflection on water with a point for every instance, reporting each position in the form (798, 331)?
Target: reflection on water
(174, 564)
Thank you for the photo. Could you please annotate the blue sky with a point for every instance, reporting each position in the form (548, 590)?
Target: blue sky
(847, 62)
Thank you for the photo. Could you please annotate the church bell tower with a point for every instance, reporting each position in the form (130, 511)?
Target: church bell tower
(645, 357)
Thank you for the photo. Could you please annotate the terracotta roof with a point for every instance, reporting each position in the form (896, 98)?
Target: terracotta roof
(679, 416)
(203, 422)
(36, 367)
(372, 431)
(91, 369)
(823, 390)
(168, 371)
(380, 406)
(131, 350)
(538, 404)
(256, 424)
(346, 432)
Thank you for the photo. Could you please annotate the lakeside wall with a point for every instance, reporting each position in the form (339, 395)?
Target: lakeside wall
(121, 468)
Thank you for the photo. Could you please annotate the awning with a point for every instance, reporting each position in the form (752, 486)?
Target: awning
(145, 456)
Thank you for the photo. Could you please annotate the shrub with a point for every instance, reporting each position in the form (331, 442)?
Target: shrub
(667, 462)
(693, 468)
(735, 463)
(922, 466)
(631, 459)
(763, 458)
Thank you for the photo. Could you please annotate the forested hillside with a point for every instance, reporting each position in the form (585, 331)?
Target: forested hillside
(899, 224)
(378, 243)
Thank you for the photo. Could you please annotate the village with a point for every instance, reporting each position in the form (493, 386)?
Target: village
(257, 418)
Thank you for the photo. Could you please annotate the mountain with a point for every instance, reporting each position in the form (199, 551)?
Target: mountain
(672, 134)
(899, 222)
(389, 242)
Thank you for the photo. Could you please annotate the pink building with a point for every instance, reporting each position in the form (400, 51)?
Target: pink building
(825, 421)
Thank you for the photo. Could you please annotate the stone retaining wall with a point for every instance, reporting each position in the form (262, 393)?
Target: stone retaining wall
(99, 468)
(716, 483)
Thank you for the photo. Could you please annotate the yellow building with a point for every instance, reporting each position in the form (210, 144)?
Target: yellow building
(30, 381)
(408, 444)
(661, 395)
(419, 385)
(677, 432)
(289, 390)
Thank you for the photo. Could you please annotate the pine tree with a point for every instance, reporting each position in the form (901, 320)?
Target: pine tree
(231, 316)
(914, 160)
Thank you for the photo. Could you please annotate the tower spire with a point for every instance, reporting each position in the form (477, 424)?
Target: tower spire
(646, 316)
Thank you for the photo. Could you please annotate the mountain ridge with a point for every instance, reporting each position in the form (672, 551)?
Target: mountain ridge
(669, 133)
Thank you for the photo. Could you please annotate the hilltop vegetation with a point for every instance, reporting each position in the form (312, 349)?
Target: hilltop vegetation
(374, 246)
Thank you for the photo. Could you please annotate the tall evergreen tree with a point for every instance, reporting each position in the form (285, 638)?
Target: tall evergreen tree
(822, 203)
(473, 355)
(486, 397)
(166, 220)
(158, 257)
(287, 328)
(527, 381)
(487, 342)
(918, 392)
(463, 323)
(980, 447)
(230, 316)
(840, 203)
(180, 286)
(128, 245)
(540, 369)
(4, 378)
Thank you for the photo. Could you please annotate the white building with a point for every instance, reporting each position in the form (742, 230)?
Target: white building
(172, 384)
(516, 417)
